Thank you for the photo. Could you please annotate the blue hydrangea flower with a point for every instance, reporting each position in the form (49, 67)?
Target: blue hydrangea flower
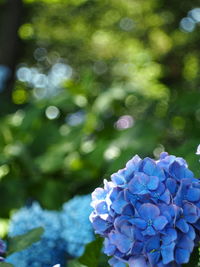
(2, 250)
(149, 213)
(77, 230)
(49, 250)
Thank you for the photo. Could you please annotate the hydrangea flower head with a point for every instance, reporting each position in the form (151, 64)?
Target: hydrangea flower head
(77, 230)
(2, 250)
(149, 213)
(49, 250)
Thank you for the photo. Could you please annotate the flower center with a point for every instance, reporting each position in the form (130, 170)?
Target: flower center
(149, 222)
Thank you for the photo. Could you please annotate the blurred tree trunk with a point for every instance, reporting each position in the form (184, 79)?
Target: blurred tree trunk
(9, 43)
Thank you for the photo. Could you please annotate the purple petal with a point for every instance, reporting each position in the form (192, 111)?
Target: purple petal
(160, 222)
(149, 211)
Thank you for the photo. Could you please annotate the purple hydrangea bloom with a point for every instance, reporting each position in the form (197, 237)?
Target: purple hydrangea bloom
(149, 213)
(2, 250)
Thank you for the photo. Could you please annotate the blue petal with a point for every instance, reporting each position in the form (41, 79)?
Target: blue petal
(150, 168)
(137, 262)
(120, 241)
(182, 255)
(116, 263)
(167, 252)
(148, 211)
(109, 248)
(171, 185)
(100, 225)
(182, 225)
(165, 197)
(153, 243)
(102, 208)
(114, 193)
(99, 194)
(119, 203)
(160, 222)
(133, 163)
(153, 183)
(193, 194)
(138, 185)
(153, 258)
(186, 243)
(128, 210)
(149, 231)
(180, 171)
(169, 236)
(127, 230)
(191, 233)
(118, 179)
(190, 213)
(140, 223)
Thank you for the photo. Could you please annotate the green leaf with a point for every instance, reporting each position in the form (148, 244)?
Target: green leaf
(92, 253)
(5, 264)
(75, 263)
(21, 242)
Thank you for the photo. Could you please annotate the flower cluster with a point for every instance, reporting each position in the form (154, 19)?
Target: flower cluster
(149, 213)
(65, 236)
(48, 251)
(76, 227)
(2, 250)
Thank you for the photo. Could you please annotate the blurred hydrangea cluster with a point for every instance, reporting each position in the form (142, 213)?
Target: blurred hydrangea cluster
(2, 250)
(57, 244)
(76, 227)
(48, 251)
(149, 213)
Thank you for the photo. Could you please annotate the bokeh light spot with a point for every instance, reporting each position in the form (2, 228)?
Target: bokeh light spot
(52, 112)
(187, 24)
(112, 152)
(124, 122)
(26, 31)
(19, 96)
(126, 24)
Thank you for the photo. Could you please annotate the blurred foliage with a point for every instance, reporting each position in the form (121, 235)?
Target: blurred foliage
(97, 82)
